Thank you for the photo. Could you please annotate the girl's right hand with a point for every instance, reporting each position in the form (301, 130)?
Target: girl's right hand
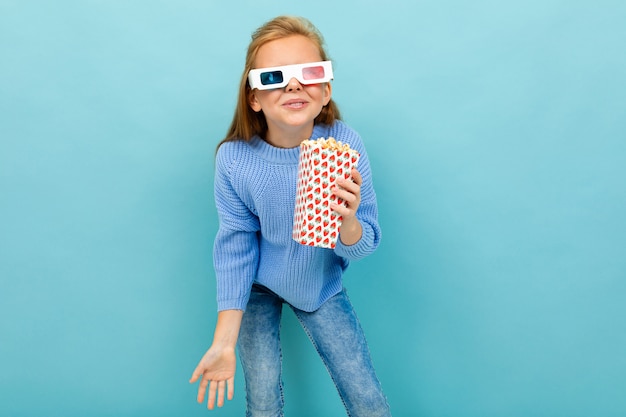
(216, 370)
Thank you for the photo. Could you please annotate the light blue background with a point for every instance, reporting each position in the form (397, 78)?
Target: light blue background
(497, 137)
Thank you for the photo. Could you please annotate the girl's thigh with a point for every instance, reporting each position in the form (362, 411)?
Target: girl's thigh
(259, 350)
(336, 333)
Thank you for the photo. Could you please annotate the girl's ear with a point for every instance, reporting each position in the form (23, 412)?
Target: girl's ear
(253, 102)
(328, 93)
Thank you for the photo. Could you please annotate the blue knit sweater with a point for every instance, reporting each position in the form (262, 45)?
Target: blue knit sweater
(255, 192)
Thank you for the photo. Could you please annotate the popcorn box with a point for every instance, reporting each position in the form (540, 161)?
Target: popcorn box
(321, 163)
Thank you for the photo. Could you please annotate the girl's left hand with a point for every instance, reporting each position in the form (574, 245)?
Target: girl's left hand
(348, 190)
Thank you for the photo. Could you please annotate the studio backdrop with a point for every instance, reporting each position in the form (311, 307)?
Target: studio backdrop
(497, 139)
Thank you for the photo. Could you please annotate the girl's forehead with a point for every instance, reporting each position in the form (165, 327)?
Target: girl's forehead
(296, 49)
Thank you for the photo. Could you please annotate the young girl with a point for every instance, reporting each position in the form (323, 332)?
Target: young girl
(259, 267)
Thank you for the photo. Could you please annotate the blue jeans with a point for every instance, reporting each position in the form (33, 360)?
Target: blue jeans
(335, 332)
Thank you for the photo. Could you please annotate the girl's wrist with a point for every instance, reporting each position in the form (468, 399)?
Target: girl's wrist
(227, 328)
(350, 231)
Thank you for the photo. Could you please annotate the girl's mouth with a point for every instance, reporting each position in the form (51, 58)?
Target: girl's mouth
(295, 104)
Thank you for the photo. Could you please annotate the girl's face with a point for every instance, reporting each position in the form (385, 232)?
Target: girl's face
(289, 111)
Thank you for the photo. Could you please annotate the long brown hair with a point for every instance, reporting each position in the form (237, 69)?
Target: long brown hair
(246, 122)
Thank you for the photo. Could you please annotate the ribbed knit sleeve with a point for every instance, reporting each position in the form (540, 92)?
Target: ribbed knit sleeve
(236, 247)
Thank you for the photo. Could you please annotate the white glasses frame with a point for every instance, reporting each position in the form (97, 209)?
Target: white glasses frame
(262, 78)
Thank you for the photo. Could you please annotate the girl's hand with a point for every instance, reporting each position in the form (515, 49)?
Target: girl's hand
(217, 372)
(350, 192)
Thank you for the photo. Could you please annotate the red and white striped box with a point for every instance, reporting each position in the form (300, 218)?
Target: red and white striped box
(321, 163)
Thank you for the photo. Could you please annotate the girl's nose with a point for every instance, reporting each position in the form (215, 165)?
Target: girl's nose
(293, 85)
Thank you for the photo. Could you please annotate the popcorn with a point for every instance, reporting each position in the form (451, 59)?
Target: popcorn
(321, 163)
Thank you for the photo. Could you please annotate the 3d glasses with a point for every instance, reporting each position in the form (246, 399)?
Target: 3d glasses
(278, 77)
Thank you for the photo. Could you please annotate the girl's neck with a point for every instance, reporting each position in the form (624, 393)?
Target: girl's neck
(284, 143)
(288, 139)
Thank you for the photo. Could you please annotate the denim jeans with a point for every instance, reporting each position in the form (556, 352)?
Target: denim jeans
(335, 332)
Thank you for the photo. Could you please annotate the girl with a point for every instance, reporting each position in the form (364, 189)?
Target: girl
(259, 267)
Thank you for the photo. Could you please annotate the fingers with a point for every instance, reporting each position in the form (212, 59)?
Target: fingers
(350, 192)
(231, 388)
(211, 400)
(356, 177)
(221, 387)
(202, 389)
(197, 373)
(354, 181)
(217, 390)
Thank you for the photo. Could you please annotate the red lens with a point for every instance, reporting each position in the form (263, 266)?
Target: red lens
(313, 73)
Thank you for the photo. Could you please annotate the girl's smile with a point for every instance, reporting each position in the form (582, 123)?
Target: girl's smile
(295, 104)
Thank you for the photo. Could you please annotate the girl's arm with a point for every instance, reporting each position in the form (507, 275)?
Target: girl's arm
(216, 369)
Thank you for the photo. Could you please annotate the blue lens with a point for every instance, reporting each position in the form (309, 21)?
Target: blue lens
(272, 77)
